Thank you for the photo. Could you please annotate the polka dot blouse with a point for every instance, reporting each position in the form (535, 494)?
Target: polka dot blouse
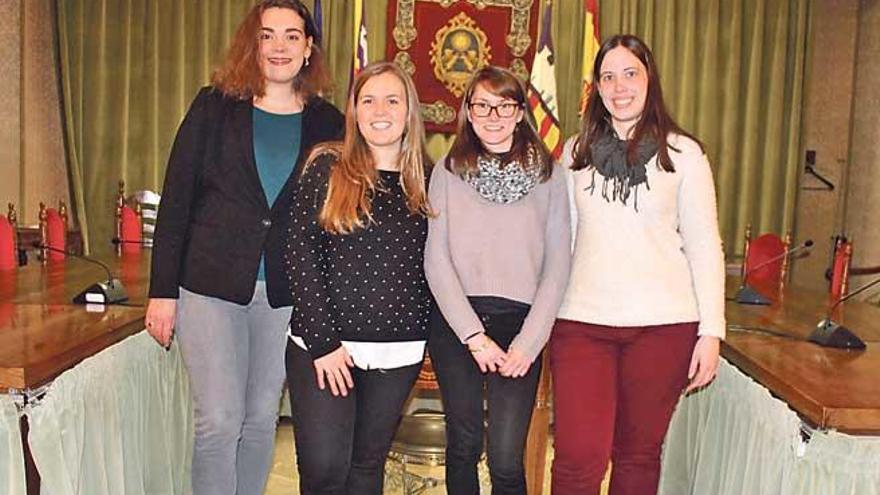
(365, 286)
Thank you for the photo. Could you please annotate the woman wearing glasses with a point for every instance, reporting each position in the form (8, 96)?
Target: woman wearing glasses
(497, 261)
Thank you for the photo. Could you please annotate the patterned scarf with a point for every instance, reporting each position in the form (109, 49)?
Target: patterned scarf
(505, 182)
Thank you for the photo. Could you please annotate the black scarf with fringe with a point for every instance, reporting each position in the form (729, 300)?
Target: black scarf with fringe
(620, 179)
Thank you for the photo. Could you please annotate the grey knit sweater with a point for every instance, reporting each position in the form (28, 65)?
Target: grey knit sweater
(519, 251)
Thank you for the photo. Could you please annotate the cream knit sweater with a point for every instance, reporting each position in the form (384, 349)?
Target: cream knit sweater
(661, 264)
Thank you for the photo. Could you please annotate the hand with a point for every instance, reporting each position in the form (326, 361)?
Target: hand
(516, 364)
(333, 368)
(704, 362)
(160, 319)
(486, 353)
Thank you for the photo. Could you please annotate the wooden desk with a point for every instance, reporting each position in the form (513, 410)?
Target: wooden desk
(59, 282)
(42, 333)
(39, 342)
(829, 388)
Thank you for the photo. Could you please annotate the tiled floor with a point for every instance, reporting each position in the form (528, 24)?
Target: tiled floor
(283, 479)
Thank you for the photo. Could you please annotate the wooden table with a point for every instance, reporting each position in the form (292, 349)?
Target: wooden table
(59, 282)
(43, 334)
(829, 388)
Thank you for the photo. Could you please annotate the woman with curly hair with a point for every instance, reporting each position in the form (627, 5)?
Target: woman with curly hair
(217, 277)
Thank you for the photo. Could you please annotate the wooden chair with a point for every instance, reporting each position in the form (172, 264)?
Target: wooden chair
(8, 240)
(129, 230)
(539, 430)
(757, 267)
(840, 268)
(53, 232)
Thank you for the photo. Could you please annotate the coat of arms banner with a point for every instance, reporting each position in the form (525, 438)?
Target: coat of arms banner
(441, 43)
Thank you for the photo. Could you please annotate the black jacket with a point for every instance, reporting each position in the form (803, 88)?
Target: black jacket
(214, 221)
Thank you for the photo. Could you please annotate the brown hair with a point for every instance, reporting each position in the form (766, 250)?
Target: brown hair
(462, 157)
(354, 180)
(240, 75)
(655, 121)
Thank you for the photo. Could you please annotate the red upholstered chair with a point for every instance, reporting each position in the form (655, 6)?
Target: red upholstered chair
(840, 268)
(8, 244)
(53, 231)
(128, 224)
(757, 267)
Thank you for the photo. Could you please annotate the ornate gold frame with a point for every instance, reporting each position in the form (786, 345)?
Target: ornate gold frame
(517, 39)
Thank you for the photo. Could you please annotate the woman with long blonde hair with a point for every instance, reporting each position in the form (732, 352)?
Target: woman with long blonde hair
(359, 323)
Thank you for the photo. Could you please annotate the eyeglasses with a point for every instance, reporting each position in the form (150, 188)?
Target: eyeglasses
(503, 110)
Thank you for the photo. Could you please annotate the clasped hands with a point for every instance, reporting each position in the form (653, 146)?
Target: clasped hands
(491, 358)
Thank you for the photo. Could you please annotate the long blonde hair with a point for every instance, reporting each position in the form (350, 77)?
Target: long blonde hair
(354, 180)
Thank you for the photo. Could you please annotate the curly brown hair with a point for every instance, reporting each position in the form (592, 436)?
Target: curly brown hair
(240, 75)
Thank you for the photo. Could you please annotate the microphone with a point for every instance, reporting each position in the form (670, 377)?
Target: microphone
(829, 333)
(108, 292)
(747, 294)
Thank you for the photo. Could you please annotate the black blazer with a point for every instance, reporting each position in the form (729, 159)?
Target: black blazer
(214, 221)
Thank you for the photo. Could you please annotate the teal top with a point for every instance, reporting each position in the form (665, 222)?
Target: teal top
(276, 149)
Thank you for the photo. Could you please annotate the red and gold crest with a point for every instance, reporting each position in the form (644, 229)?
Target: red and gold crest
(441, 43)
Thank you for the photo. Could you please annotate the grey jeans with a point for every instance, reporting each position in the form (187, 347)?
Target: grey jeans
(235, 358)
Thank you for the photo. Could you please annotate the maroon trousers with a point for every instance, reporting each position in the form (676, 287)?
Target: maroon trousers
(614, 391)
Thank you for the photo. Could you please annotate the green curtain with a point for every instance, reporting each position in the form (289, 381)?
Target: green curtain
(120, 422)
(733, 72)
(129, 69)
(11, 453)
(734, 438)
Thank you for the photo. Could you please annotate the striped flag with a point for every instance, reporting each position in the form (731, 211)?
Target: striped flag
(319, 19)
(542, 89)
(592, 42)
(359, 60)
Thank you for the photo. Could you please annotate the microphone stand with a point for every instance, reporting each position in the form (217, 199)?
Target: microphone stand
(829, 333)
(108, 292)
(747, 294)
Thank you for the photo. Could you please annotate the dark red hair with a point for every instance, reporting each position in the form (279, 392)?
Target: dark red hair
(240, 75)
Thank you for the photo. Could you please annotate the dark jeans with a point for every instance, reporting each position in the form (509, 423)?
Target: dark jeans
(510, 402)
(342, 442)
